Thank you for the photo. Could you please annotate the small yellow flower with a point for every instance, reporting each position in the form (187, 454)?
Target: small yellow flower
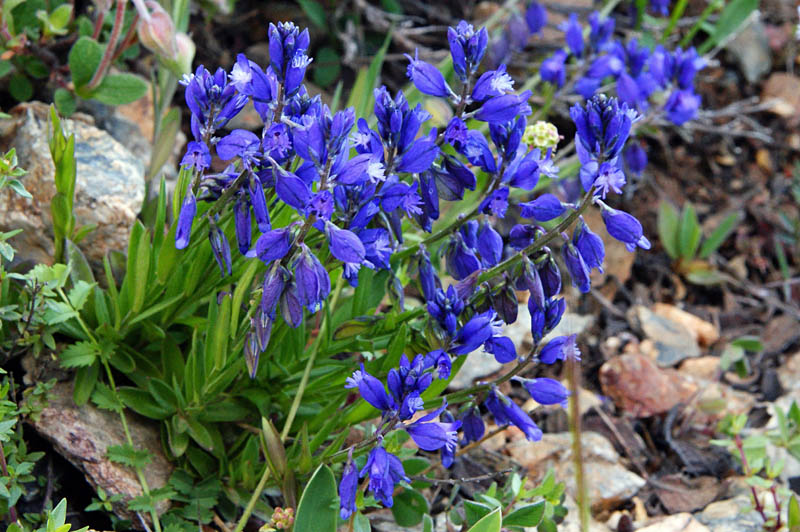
(541, 135)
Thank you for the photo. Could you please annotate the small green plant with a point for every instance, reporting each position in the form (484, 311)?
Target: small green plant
(682, 237)
(55, 522)
(734, 356)
(514, 507)
(761, 473)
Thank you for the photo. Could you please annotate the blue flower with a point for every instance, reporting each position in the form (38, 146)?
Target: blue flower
(344, 245)
(542, 209)
(603, 126)
(220, 247)
(313, 281)
(495, 203)
(347, 489)
(472, 425)
(183, 231)
(467, 47)
(506, 411)
(372, 390)
(490, 246)
(577, 268)
(590, 246)
(461, 259)
(682, 106)
(552, 69)
(536, 17)
(197, 156)
(635, 158)
(492, 83)
(624, 228)
(427, 77)
(546, 391)
(242, 144)
(212, 100)
(431, 435)
(445, 308)
(272, 288)
(560, 348)
(601, 31)
(385, 470)
(573, 33)
(474, 333)
(504, 108)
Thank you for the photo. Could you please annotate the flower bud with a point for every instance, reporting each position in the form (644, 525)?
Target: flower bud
(157, 31)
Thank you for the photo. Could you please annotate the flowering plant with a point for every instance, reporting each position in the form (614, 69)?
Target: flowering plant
(354, 265)
(328, 205)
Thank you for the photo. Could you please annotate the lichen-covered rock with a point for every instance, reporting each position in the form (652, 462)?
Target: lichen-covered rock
(83, 434)
(109, 188)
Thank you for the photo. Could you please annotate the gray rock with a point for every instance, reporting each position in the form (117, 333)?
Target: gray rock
(751, 50)
(83, 434)
(673, 341)
(730, 516)
(477, 366)
(609, 483)
(682, 522)
(109, 188)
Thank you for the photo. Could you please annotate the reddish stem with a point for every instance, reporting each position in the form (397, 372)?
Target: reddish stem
(108, 54)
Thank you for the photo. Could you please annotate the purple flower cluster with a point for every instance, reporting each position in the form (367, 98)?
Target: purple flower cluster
(641, 76)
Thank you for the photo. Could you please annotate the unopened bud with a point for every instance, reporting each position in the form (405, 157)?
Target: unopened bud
(186, 51)
(541, 135)
(157, 32)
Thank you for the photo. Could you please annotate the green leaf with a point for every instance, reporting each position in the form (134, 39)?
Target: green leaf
(20, 87)
(79, 354)
(119, 89)
(427, 523)
(65, 101)
(104, 398)
(5, 67)
(409, 507)
(689, 233)
(529, 515)
(327, 66)
(705, 277)
(719, 235)
(361, 94)
(127, 455)
(749, 343)
(60, 16)
(668, 226)
(79, 294)
(315, 12)
(142, 403)
(85, 381)
(733, 16)
(794, 514)
(84, 58)
(475, 511)
(164, 143)
(489, 523)
(318, 510)
(200, 433)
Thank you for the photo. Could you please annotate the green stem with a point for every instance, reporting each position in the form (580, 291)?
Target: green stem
(582, 495)
(677, 12)
(539, 243)
(310, 364)
(251, 504)
(710, 8)
(139, 473)
(248, 510)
